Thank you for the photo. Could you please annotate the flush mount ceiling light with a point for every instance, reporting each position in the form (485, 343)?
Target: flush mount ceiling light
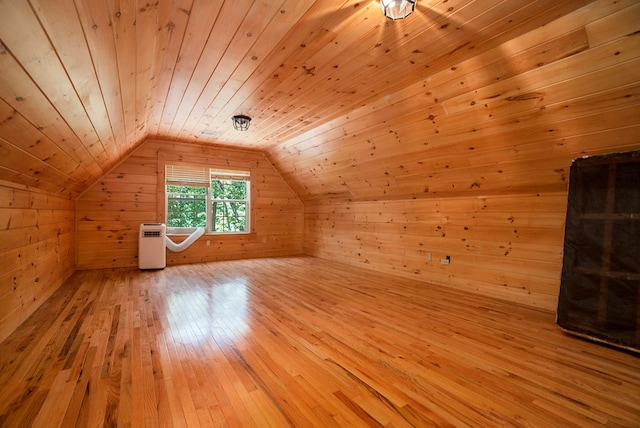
(241, 122)
(397, 9)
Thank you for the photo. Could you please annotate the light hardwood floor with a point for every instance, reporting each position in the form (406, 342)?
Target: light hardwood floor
(301, 342)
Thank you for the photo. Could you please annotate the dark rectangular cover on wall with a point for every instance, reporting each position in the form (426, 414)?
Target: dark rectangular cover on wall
(600, 285)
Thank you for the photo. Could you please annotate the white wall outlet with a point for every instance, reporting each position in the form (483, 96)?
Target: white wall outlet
(208, 242)
(445, 261)
(429, 258)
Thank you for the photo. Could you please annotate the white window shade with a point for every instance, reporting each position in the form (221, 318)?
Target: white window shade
(187, 175)
(223, 174)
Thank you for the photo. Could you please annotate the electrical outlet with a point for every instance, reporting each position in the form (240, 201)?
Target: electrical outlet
(429, 257)
(445, 261)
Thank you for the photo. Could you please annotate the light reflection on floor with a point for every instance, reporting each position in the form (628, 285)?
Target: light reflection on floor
(197, 315)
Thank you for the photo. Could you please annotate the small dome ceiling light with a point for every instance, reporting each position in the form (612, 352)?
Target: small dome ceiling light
(397, 9)
(241, 122)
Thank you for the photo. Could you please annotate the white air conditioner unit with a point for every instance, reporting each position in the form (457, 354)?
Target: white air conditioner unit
(151, 246)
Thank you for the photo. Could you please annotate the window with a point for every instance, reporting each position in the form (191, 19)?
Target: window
(216, 199)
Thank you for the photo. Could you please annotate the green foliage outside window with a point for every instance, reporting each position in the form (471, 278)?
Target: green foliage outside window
(186, 206)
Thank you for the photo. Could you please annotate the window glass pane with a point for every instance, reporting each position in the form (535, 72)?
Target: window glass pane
(186, 206)
(229, 189)
(229, 216)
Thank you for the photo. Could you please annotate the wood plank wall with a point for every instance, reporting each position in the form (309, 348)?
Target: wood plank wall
(507, 247)
(110, 212)
(496, 135)
(37, 250)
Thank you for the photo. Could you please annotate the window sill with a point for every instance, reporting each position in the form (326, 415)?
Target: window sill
(186, 231)
(180, 231)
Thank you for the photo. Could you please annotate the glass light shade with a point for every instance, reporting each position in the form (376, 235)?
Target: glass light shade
(241, 122)
(397, 9)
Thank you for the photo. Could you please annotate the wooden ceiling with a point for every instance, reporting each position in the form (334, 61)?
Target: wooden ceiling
(83, 82)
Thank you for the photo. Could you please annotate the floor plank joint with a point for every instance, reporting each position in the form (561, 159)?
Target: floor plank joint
(300, 341)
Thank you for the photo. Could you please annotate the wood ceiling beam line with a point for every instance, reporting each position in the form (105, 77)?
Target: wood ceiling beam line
(22, 33)
(247, 35)
(246, 79)
(229, 19)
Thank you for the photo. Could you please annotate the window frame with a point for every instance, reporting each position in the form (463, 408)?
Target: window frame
(242, 170)
(247, 200)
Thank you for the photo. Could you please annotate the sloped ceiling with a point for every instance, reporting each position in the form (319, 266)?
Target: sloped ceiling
(83, 82)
